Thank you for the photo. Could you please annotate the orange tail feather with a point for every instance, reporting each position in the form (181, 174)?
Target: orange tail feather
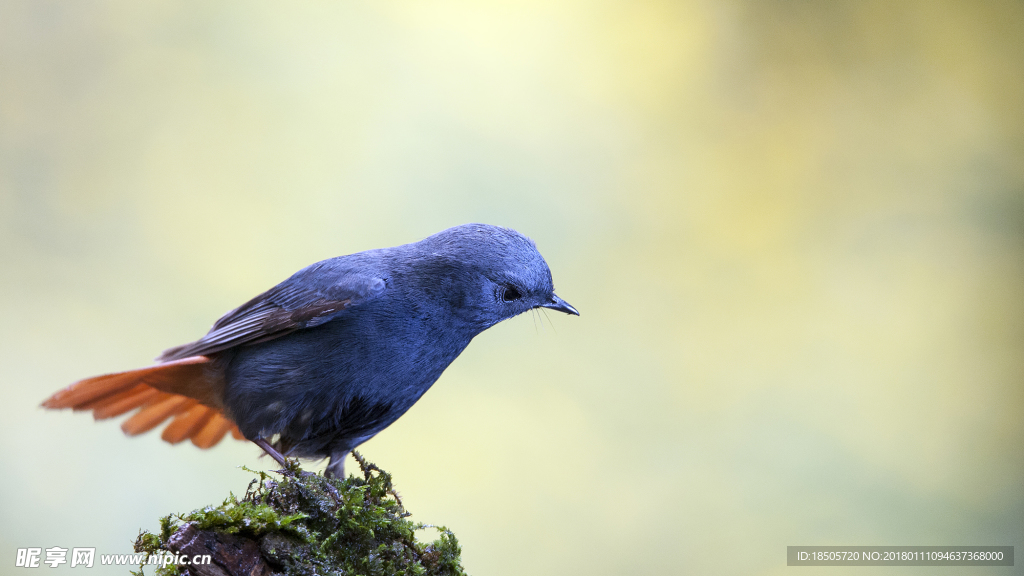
(214, 430)
(188, 389)
(187, 424)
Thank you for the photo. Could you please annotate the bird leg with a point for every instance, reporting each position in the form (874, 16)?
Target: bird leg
(336, 469)
(278, 456)
(270, 451)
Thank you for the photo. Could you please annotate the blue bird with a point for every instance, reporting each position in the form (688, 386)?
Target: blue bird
(325, 360)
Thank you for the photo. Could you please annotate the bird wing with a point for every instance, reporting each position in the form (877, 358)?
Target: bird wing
(311, 297)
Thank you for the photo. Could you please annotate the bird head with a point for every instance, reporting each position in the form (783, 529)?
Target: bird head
(495, 273)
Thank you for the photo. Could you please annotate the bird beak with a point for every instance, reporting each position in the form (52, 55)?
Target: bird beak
(560, 305)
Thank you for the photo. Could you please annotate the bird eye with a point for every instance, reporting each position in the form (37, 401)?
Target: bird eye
(510, 294)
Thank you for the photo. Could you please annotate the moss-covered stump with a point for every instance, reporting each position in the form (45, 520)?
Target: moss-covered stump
(305, 524)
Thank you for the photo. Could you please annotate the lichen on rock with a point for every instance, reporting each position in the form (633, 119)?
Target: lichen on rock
(302, 524)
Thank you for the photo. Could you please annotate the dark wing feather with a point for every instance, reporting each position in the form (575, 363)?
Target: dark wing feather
(311, 297)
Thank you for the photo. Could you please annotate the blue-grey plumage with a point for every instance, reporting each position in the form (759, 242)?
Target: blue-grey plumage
(334, 354)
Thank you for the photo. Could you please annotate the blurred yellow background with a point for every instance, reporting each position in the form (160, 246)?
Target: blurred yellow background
(794, 230)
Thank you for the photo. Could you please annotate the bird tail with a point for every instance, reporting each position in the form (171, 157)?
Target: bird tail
(186, 389)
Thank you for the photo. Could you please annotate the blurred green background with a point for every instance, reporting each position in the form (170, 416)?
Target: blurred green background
(795, 231)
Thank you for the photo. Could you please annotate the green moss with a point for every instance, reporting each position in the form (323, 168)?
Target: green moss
(306, 524)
